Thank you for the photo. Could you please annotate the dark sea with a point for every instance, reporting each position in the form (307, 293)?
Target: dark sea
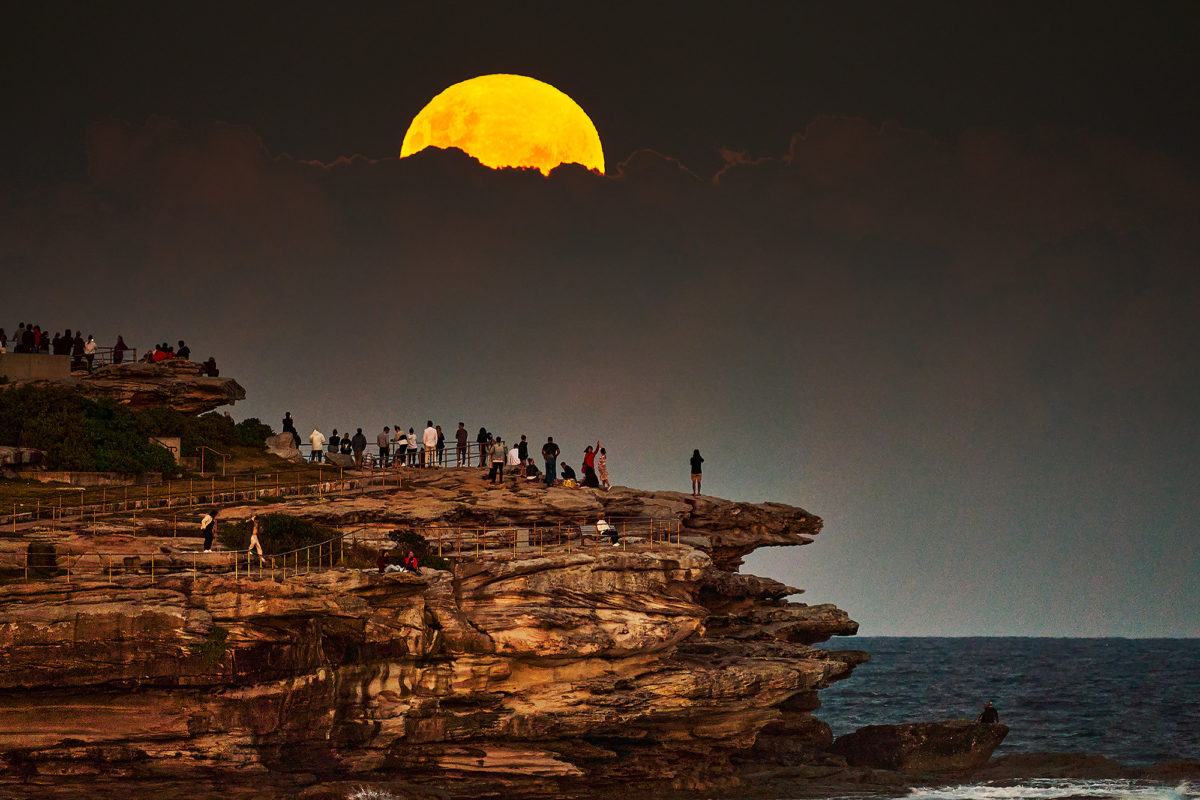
(1136, 701)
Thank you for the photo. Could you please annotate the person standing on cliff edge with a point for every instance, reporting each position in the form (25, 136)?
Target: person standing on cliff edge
(989, 715)
(697, 460)
(358, 444)
(550, 454)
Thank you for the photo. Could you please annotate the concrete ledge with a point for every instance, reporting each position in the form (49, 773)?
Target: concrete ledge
(36, 366)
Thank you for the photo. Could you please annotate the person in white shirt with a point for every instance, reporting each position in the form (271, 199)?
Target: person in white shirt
(514, 458)
(89, 352)
(605, 529)
(317, 440)
(429, 439)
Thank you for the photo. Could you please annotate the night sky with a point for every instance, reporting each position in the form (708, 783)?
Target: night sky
(926, 269)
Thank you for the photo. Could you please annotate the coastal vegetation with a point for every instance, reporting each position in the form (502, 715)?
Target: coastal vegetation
(279, 533)
(77, 433)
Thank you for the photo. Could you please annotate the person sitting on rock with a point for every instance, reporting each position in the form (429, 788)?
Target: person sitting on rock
(989, 715)
(384, 563)
(410, 563)
(603, 528)
(568, 474)
(184, 351)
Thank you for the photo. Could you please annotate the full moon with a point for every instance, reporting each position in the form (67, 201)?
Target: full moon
(507, 121)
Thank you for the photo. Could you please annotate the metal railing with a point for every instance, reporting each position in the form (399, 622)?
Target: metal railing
(241, 564)
(446, 457)
(185, 493)
(454, 543)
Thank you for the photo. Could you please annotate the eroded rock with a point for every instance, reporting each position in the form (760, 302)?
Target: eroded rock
(949, 746)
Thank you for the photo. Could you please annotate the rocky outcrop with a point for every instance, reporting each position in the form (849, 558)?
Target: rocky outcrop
(951, 746)
(521, 675)
(283, 445)
(175, 384)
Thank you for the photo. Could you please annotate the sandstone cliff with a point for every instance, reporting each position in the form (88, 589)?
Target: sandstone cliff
(517, 674)
(175, 384)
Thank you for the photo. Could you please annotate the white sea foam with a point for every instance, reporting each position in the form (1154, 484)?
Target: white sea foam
(1060, 789)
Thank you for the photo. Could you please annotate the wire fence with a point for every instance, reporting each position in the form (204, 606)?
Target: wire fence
(473, 454)
(81, 503)
(43, 561)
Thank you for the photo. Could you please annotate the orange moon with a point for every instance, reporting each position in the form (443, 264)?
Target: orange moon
(507, 121)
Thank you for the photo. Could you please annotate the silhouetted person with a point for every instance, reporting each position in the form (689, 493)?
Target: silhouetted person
(359, 444)
(208, 527)
(289, 426)
(118, 351)
(550, 454)
(989, 715)
(697, 471)
(460, 439)
(184, 351)
(383, 440)
(481, 439)
(568, 474)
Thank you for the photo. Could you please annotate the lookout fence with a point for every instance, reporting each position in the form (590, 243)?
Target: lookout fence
(453, 543)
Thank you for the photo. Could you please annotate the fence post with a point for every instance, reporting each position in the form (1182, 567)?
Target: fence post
(68, 557)
(14, 518)
(212, 489)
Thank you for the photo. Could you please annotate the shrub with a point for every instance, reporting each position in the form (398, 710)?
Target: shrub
(251, 432)
(76, 433)
(407, 539)
(213, 647)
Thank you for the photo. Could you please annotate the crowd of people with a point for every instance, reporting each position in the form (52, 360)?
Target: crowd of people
(84, 352)
(398, 447)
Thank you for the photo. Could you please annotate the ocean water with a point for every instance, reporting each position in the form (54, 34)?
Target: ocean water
(1136, 701)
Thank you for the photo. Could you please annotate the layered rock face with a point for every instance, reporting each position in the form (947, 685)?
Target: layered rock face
(175, 384)
(522, 675)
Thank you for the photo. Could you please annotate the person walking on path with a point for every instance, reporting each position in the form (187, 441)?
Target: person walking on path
(697, 460)
(358, 444)
(550, 454)
(460, 452)
(208, 527)
(430, 439)
(317, 440)
(602, 469)
(384, 441)
(255, 545)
